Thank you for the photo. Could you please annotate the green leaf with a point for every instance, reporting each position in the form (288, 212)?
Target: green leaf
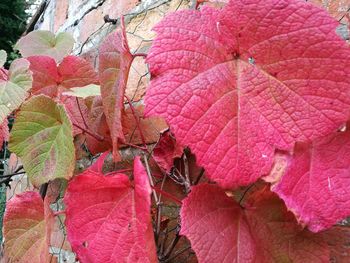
(42, 137)
(42, 42)
(14, 91)
(90, 90)
(3, 57)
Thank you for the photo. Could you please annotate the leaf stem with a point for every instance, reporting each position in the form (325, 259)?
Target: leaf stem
(173, 244)
(81, 113)
(178, 201)
(144, 55)
(137, 122)
(136, 146)
(96, 136)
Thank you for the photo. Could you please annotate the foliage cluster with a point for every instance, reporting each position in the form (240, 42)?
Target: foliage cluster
(255, 162)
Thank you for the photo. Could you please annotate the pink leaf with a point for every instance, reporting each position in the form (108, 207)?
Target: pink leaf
(315, 181)
(264, 231)
(51, 80)
(236, 83)
(3, 74)
(78, 113)
(114, 64)
(4, 132)
(76, 72)
(108, 220)
(45, 75)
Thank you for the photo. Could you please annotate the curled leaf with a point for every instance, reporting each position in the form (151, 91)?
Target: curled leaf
(114, 64)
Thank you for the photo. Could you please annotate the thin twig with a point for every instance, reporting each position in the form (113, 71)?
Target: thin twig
(187, 181)
(150, 179)
(10, 175)
(159, 209)
(162, 245)
(172, 244)
(199, 177)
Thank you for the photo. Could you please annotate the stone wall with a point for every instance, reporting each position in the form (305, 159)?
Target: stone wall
(84, 19)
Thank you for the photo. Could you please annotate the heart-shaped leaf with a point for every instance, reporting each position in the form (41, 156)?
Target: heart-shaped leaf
(42, 42)
(51, 80)
(236, 83)
(108, 219)
(42, 137)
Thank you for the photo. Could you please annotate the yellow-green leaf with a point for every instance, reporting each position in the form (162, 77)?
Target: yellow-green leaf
(42, 137)
(42, 42)
(3, 57)
(14, 91)
(90, 90)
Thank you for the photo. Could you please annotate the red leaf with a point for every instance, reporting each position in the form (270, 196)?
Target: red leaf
(3, 74)
(150, 127)
(78, 113)
(45, 75)
(315, 182)
(166, 151)
(76, 72)
(114, 64)
(236, 83)
(264, 231)
(51, 80)
(27, 229)
(97, 123)
(108, 220)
